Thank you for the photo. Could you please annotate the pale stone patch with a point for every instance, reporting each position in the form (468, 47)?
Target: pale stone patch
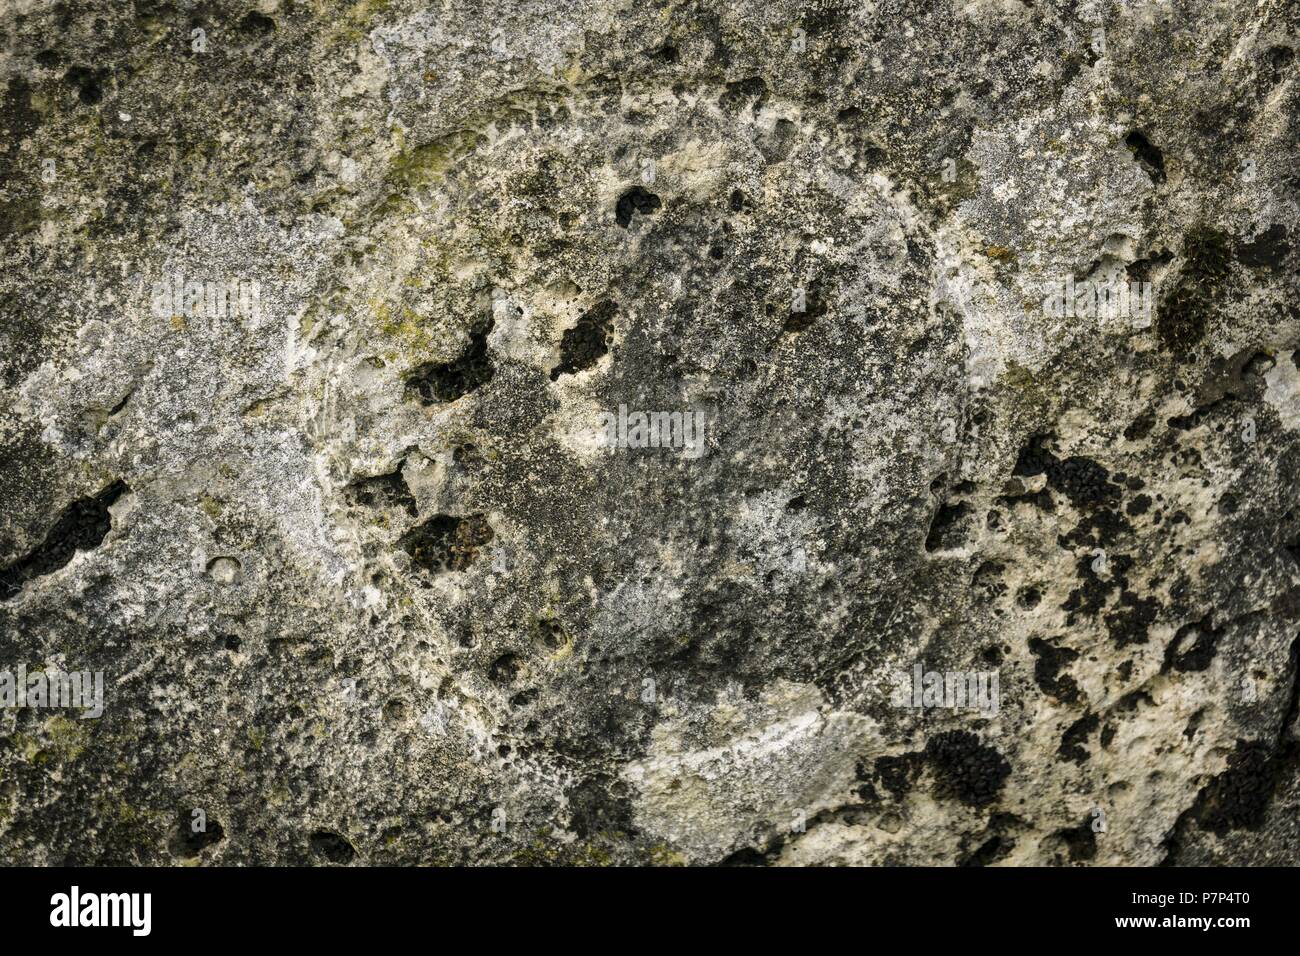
(1283, 391)
(717, 776)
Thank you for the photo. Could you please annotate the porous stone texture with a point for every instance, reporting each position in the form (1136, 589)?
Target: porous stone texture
(368, 582)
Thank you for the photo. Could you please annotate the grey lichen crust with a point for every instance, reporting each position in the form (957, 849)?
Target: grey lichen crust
(365, 578)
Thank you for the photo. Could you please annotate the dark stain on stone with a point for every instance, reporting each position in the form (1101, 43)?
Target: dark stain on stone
(435, 383)
(384, 491)
(446, 542)
(965, 769)
(1268, 250)
(635, 200)
(1202, 285)
(1047, 670)
(1132, 618)
(1075, 738)
(1193, 647)
(582, 346)
(88, 83)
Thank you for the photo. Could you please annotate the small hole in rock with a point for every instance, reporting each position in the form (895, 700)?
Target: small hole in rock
(332, 846)
(447, 542)
(504, 670)
(224, 570)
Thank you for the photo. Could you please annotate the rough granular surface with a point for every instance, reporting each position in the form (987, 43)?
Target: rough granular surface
(542, 432)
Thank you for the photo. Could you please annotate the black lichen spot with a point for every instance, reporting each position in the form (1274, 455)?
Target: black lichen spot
(1048, 667)
(1138, 506)
(1083, 481)
(1238, 798)
(88, 83)
(1092, 596)
(600, 806)
(1141, 270)
(383, 491)
(741, 92)
(437, 383)
(1076, 736)
(1268, 250)
(1207, 255)
(1129, 623)
(1149, 156)
(1130, 702)
(1034, 458)
(1140, 427)
(1099, 527)
(446, 542)
(332, 846)
(965, 769)
(82, 526)
(946, 528)
(635, 200)
(1192, 648)
(582, 346)
(896, 774)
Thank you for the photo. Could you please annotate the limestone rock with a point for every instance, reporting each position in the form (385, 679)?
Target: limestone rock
(650, 433)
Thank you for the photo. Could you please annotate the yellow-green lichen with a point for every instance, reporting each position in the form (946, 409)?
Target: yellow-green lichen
(63, 741)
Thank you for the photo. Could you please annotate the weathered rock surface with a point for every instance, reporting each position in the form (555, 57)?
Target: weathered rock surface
(368, 586)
